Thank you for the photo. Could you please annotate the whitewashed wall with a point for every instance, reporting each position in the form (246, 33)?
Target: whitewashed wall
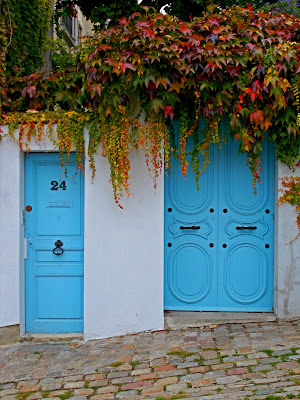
(123, 249)
(123, 254)
(9, 233)
(287, 253)
(123, 267)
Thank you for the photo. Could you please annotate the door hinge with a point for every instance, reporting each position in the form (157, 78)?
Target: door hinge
(22, 217)
(25, 248)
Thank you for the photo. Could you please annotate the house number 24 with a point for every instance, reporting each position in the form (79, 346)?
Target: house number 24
(61, 186)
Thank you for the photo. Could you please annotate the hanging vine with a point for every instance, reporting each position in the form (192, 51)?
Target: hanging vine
(130, 82)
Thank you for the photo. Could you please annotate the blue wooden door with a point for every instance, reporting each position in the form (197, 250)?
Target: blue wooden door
(53, 215)
(219, 241)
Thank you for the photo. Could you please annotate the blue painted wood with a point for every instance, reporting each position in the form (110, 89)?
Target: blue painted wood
(218, 267)
(54, 284)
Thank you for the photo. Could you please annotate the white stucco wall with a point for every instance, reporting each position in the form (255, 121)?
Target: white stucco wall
(287, 253)
(123, 254)
(9, 232)
(123, 267)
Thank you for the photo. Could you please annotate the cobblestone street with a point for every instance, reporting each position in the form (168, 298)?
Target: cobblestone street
(232, 361)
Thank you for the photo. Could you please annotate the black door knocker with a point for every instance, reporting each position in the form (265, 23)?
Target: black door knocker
(58, 251)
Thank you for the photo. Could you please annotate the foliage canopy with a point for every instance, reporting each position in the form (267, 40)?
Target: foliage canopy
(237, 63)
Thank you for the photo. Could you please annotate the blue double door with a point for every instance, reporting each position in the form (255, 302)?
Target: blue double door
(219, 240)
(54, 232)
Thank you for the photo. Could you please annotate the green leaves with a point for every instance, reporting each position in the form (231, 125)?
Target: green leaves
(238, 62)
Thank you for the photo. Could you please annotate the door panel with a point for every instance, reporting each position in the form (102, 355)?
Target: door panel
(223, 265)
(54, 283)
(246, 228)
(190, 272)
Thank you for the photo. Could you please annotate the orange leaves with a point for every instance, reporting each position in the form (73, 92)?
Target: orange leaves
(257, 117)
(291, 194)
(169, 112)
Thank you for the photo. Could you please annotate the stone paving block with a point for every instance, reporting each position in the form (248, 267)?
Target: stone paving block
(187, 365)
(164, 368)
(203, 382)
(227, 379)
(26, 389)
(83, 392)
(119, 374)
(137, 385)
(107, 396)
(128, 394)
(74, 385)
(91, 377)
(290, 365)
(191, 377)
(158, 362)
(51, 386)
(237, 371)
(265, 367)
(166, 381)
(233, 358)
(101, 382)
(152, 375)
(246, 363)
(108, 389)
(212, 362)
(201, 369)
(257, 355)
(34, 396)
(153, 390)
(57, 393)
(282, 352)
(172, 373)
(7, 392)
(214, 374)
(222, 366)
(265, 391)
(209, 354)
(141, 371)
(117, 381)
(177, 387)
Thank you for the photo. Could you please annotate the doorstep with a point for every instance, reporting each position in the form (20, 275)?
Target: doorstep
(52, 337)
(197, 319)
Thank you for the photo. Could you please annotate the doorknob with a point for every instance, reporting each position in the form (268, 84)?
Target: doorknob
(58, 250)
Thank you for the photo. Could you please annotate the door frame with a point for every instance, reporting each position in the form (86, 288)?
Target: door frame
(23, 240)
(275, 266)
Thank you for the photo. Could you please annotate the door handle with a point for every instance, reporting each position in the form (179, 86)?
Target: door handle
(242, 228)
(58, 250)
(190, 227)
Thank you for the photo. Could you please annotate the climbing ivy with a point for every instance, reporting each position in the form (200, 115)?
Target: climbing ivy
(291, 194)
(30, 23)
(127, 84)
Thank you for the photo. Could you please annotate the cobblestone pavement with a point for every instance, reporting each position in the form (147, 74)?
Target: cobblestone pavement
(232, 361)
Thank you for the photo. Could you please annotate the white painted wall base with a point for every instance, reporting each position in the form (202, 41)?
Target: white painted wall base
(9, 233)
(123, 249)
(287, 253)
